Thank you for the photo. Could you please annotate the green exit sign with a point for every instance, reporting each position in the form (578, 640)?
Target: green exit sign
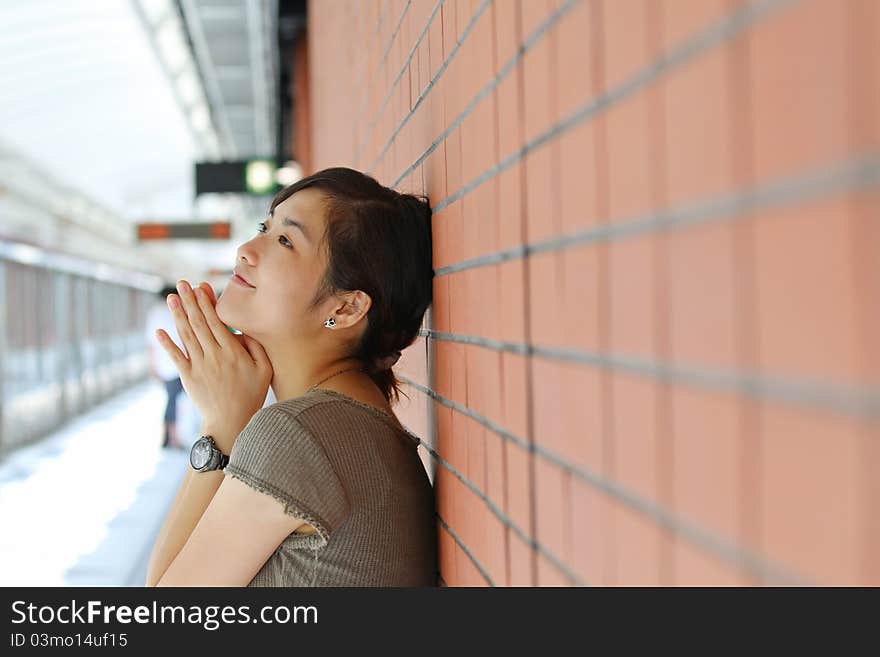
(258, 176)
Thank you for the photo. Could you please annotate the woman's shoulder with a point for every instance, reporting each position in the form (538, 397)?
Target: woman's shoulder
(324, 410)
(320, 397)
(291, 408)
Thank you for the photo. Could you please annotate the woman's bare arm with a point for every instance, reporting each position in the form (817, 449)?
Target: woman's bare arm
(236, 535)
(193, 497)
(227, 379)
(166, 524)
(162, 537)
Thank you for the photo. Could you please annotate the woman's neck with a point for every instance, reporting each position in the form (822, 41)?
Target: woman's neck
(293, 379)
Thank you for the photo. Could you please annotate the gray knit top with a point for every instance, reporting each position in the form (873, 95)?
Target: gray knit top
(351, 471)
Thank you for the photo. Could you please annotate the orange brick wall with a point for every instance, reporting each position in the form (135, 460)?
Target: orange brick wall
(653, 355)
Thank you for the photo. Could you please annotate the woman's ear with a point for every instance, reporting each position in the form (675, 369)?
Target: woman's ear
(355, 305)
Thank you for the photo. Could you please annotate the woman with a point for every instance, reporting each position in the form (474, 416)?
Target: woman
(325, 486)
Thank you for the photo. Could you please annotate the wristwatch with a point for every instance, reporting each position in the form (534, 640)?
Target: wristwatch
(205, 456)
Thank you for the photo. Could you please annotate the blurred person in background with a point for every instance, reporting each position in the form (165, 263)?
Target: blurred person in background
(162, 367)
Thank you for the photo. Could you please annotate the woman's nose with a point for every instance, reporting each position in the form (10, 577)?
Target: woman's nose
(247, 253)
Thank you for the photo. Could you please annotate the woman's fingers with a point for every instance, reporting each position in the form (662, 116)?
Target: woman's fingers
(184, 329)
(255, 349)
(196, 318)
(218, 329)
(210, 291)
(174, 353)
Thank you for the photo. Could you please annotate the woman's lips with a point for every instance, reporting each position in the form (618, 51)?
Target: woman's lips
(240, 281)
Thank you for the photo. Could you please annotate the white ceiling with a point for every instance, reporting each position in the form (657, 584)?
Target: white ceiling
(87, 98)
(84, 96)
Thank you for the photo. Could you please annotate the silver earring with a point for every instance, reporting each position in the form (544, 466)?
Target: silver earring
(330, 322)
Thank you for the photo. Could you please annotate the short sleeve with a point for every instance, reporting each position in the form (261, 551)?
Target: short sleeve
(277, 455)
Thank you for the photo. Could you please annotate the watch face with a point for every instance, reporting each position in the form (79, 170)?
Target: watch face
(200, 453)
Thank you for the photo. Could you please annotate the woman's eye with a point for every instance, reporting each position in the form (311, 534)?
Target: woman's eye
(262, 227)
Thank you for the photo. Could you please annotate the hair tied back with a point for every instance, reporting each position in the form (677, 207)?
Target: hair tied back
(386, 363)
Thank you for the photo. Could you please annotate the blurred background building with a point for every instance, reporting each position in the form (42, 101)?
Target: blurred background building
(652, 356)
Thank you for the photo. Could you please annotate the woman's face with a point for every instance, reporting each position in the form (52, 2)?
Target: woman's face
(284, 265)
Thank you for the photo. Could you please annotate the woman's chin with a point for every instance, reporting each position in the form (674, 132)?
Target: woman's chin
(225, 313)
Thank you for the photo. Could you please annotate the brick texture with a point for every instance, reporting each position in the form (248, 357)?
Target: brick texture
(675, 381)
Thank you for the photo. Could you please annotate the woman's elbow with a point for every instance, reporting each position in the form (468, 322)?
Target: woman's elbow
(152, 579)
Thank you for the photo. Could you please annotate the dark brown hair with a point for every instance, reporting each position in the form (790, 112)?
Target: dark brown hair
(378, 240)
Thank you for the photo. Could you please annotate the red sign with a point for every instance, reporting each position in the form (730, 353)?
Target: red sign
(213, 230)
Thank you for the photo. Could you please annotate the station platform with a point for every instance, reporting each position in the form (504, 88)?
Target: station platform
(83, 506)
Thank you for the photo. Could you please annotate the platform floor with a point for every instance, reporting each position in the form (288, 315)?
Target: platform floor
(82, 507)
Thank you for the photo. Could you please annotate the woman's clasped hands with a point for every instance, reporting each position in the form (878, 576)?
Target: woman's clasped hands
(227, 376)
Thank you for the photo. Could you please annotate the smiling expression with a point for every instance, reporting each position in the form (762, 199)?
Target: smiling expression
(283, 263)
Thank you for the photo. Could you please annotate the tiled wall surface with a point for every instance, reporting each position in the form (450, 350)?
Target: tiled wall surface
(653, 355)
